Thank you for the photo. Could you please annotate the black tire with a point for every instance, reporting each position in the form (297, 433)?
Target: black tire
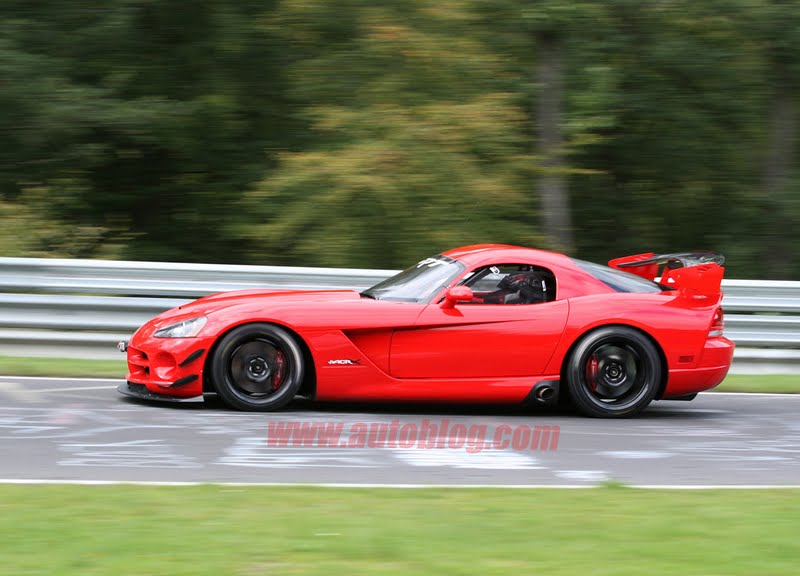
(613, 372)
(257, 367)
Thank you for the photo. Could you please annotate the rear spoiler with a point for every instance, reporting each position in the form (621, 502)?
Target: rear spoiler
(695, 273)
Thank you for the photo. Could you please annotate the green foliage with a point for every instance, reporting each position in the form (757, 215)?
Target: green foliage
(361, 133)
(141, 120)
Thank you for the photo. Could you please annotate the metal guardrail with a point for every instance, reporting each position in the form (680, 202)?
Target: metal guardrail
(82, 307)
(162, 279)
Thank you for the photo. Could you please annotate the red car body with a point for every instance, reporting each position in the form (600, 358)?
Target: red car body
(365, 349)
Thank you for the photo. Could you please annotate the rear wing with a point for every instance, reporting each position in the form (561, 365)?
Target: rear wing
(694, 273)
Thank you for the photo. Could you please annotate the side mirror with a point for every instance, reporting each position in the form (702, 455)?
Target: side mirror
(457, 294)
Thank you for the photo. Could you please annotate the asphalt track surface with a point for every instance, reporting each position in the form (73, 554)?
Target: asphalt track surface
(83, 430)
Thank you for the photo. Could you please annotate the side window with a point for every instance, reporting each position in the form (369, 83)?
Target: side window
(511, 284)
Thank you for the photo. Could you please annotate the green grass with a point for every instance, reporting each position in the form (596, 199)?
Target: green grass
(217, 530)
(786, 383)
(15, 366)
(18, 366)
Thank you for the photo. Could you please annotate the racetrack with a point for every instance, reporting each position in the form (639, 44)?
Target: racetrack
(83, 430)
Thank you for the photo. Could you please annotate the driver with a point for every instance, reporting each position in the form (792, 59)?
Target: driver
(522, 288)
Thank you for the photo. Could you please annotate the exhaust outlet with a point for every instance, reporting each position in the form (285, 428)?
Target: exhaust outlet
(544, 393)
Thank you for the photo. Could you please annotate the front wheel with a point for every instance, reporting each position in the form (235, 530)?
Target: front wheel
(614, 372)
(257, 367)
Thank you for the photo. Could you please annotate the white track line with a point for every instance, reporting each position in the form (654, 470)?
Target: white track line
(74, 389)
(94, 409)
(61, 379)
(36, 481)
(784, 394)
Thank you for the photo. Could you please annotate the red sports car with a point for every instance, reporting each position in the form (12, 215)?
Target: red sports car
(485, 323)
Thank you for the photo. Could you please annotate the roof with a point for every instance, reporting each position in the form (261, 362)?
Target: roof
(477, 253)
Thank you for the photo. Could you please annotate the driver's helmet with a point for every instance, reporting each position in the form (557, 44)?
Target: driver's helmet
(529, 286)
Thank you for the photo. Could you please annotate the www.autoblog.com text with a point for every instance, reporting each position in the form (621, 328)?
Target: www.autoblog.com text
(425, 435)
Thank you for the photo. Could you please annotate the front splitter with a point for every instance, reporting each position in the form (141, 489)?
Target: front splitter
(141, 392)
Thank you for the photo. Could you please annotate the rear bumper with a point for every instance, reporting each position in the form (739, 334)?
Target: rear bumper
(712, 368)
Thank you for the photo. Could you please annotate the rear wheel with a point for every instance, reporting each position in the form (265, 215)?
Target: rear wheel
(613, 372)
(257, 367)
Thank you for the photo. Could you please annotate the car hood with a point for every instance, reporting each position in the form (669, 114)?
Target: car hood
(299, 309)
(234, 297)
(268, 298)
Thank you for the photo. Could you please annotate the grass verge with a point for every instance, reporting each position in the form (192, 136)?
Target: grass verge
(783, 383)
(220, 530)
(68, 367)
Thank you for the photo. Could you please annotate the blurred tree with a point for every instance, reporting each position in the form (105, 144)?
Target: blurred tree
(552, 182)
(673, 98)
(535, 39)
(664, 111)
(141, 119)
(776, 28)
(357, 133)
(414, 147)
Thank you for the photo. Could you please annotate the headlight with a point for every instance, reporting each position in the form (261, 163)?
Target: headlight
(186, 329)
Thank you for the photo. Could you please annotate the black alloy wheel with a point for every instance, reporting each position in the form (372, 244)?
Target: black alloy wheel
(613, 372)
(257, 367)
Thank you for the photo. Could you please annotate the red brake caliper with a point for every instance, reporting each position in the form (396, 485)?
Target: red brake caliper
(591, 372)
(278, 370)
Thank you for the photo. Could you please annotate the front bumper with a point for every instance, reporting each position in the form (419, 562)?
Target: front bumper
(166, 367)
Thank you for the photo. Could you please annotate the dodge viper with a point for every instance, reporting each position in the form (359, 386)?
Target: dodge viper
(480, 324)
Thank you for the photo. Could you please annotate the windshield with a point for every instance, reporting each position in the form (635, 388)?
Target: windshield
(419, 283)
(619, 280)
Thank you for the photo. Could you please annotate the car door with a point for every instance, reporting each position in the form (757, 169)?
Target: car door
(496, 335)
